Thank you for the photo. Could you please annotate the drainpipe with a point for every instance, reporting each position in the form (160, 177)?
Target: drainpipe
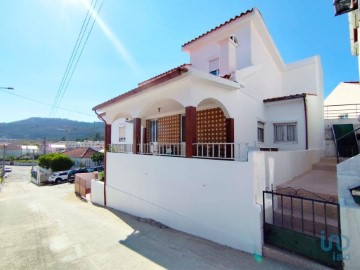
(306, 124)
(102, 119)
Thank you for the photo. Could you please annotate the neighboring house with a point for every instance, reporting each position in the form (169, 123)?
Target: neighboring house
(29, 149)
(82, 156)
(194, 134)
(348, 173)
(13, 150)
(341, 108)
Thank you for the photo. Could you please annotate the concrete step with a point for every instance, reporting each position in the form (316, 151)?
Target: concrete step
(324, 166)
(331, 160)
(307, 194)
(302, 206)
(308, 224)
(291, 258)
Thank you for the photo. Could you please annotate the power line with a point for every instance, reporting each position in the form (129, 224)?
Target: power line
(43, 103)
(69, 64)
(77, 60)
(70, 69)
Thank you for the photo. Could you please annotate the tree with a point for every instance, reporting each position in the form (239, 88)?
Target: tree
(98, 158)
(45, 160)
(55, 162)
(61, 162)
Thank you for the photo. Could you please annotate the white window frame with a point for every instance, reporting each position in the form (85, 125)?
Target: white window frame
(122, 133)
(214, 67)
(284, 128)
(261, 125)
(153, 132)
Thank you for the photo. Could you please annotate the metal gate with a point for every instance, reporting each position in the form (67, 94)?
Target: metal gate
(307, 226)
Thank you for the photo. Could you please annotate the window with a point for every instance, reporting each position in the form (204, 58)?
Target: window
(260, 132)
(344, 116)
(214, 67)
(153, 131)
(285, 132)
(122, 136)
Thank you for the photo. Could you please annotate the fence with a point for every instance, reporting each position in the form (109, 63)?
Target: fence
(342, 111)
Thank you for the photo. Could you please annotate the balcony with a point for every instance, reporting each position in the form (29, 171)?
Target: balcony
(220, 151)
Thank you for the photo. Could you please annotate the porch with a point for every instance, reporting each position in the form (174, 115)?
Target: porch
(221, 151)
(167, 128)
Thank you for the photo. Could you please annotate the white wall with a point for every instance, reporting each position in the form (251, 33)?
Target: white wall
(115, 131)
(97, 192)
(209, 198)
(287, 111)
(348, 174)
(275, 168)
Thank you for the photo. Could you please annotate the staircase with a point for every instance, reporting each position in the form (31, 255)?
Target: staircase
(312, 207)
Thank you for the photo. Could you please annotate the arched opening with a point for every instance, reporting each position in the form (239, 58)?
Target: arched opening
(214, 131)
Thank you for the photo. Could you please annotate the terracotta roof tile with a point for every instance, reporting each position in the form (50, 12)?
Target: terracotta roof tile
(287, 97)
(81, 152)
(163, 77)
(219, 26)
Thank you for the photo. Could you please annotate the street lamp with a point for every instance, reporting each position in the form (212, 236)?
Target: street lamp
(7, 88)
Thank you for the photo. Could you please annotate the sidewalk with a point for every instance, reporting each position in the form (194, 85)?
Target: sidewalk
(48, 227)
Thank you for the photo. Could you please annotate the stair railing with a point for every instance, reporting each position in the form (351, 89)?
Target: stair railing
(353, 132)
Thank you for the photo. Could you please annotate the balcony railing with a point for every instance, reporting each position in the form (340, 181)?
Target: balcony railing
(121, 148)
(230, 151)
(342, 111)
(227, 151)
(163, 149)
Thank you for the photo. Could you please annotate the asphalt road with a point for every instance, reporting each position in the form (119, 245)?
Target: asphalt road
(49, 227)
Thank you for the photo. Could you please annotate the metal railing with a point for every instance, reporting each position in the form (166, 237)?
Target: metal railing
(305, 215)
(303, 225)
(120, 148)
(346, 152)
(342, 111)
(227, 151)
(162, 149)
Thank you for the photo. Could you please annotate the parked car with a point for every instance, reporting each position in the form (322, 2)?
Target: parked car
(7, 169)
(58, 177)
(99, 168)
(71, 173)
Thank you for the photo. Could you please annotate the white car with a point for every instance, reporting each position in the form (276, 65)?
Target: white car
(7, 169)
(59, 177)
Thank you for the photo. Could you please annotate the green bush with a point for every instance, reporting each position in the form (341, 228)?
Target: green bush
(55, 162)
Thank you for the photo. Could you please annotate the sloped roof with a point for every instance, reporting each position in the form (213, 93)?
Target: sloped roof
(286, 97)
(219, 26)
(81, 152)
(163, 77)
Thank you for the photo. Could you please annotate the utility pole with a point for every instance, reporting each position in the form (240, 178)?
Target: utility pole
(44, 146)
(3, 161)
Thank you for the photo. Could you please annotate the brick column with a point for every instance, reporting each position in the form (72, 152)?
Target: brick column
(136, 134)
(230, 137)
(229, 130)
(190, 130)
(107, 136)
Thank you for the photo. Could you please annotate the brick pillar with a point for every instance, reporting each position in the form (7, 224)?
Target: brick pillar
(229, 130)
(230, 137)
(107, 136)
(190, 130)
(136, 134)
(107, 142)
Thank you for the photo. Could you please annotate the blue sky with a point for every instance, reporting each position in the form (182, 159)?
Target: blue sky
(144, 38)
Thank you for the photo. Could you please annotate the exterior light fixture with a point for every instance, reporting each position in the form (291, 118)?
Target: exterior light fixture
(345, 6)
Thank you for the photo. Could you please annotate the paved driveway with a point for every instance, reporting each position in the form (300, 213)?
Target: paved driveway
(48, 227)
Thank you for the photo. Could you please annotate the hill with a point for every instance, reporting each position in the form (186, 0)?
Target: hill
(52, 129)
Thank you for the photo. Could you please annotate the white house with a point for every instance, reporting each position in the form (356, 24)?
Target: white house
(342, 109)
(184, 145)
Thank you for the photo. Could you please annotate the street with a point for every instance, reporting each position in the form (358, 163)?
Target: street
(49, 227)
